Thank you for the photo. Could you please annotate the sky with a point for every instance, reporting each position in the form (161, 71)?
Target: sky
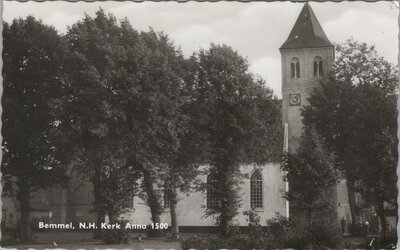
(255, 29)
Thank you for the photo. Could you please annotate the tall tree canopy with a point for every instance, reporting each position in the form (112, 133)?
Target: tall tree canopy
(242, 121)
(156, 122)
(93, 107)
(124, 105)
(183, 171)
(354, 111)
(131, 113)
(33, 149)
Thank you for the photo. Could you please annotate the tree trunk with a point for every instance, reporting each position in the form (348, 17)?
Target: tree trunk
(25, 225)
(309, 215)
(381, 214)
(97, 182)
(352, 203)
(174, 219)
(227, 193)
(223, 217)
(224, 221)
(113, 218)
(100, 219)
(227, 201)
(152, 197)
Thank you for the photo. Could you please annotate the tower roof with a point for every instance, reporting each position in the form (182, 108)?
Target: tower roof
(307, 32)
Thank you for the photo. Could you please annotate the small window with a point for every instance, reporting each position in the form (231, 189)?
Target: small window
(212, 201)
(318, 67)
(295, 68)
(256, 192)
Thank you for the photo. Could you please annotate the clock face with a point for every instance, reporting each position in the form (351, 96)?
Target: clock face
(294, 99)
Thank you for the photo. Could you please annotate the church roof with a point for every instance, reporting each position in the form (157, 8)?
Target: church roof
(307, 32)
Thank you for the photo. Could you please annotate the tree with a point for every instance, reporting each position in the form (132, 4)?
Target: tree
(35, 153)
(344, 111)
(241, 120)
(93, 108)
(312, 178)
(378, 181)
(330, 116)
(193, 144)
(312, 181)
(132, 81)
(154, 116)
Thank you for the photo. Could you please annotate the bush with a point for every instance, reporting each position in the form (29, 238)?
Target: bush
(154, 233)
(241, 242)
(219, 242)
(280, 233)
(254, 238)
(10, 236)
(390, 239)
(287, 234)
(298, 234)
(358, 230)
(389, 242)
(325, 235)
(117, 236)
(278, 230)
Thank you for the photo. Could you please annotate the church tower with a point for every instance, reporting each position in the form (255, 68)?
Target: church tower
(307, 55)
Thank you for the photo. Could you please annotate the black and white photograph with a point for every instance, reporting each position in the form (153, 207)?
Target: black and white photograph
(199, 125)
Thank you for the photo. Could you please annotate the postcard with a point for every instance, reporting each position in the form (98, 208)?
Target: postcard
(199, 125)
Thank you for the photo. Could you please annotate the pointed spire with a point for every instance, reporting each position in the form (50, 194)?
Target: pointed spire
(307, 32)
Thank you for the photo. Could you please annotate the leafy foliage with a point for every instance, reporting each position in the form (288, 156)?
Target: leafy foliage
(92, 108)
(34, 149)
(312, 178)
(32, 55)
(241, 121)
(354, 111)
(281, 233)
(161, 121)
(133, 81)
(134, 116)
(116, 236)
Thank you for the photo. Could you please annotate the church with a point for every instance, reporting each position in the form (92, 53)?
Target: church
(306, 56)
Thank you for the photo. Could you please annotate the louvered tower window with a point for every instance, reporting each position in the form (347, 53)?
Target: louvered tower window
(318, 67)
(295, 68)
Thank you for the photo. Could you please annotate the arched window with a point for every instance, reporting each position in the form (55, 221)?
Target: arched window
(318, 67)
(256, 192)
(212, 201)
(295, 68)
(166, 201)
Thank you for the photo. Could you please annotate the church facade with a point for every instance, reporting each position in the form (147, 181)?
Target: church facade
(306, 56)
